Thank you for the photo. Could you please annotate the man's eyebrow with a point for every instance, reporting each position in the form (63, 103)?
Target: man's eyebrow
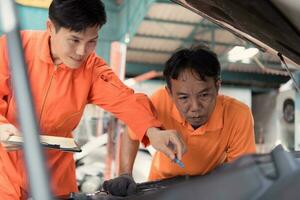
(95, 38)
(181, 93)
(204, 90)
(78, 38)
(201, 91)
(75, 37)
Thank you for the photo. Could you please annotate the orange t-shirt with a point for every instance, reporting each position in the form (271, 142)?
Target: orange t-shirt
(60, 95)
(228, 134)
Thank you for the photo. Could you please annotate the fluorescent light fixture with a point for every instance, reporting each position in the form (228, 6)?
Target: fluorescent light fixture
(235, 53)
(236, 50)
(240, 53)
(246, 60)
(250, 52)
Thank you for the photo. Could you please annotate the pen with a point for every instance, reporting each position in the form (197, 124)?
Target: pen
(178, 162)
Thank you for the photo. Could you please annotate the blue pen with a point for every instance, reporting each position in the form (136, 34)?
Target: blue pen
(178, 162)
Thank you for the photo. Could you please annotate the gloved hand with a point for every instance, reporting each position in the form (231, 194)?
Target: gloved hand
(123, 185)
(6, 131)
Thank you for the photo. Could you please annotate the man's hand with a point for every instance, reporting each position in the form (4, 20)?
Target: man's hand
(123, 185)
(168, 142)
(6, 131)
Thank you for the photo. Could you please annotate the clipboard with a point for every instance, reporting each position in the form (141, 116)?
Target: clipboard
(52, 142)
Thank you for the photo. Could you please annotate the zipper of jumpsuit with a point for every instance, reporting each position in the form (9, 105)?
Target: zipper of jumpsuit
(45, 97)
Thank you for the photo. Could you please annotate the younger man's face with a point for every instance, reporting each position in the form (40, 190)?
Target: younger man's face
(194, 98)
(71, 48)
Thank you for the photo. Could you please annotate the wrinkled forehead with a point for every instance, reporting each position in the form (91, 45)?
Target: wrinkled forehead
(190, 75)
(191, 84)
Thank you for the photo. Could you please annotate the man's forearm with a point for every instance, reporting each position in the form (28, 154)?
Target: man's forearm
(128, 152)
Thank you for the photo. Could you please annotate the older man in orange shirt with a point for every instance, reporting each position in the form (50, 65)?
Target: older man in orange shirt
(215, 128)
(65, 75)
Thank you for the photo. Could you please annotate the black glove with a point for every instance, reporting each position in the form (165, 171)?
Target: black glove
(123, 185)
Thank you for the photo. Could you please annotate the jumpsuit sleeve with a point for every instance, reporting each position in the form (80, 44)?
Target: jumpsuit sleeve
(155, 100)
(134, 109)
(5, 91)
(242, 136)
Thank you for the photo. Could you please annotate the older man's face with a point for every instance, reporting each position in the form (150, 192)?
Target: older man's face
(194, 98)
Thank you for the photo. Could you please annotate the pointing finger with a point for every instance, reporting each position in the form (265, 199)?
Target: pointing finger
(179, 146)
(168, 152)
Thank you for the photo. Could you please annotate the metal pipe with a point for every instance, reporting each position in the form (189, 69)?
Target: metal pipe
(35, 163)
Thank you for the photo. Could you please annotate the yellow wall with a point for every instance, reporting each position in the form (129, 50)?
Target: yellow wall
(35, 3)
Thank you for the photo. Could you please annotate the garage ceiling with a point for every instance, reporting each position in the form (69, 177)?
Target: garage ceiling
(168, 26)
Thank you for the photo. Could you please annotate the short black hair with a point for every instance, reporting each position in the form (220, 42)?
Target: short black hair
(77, 15)
(200, 59)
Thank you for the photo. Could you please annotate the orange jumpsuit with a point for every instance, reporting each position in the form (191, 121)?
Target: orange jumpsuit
(60, 95)
(9, 179)
(228, 134)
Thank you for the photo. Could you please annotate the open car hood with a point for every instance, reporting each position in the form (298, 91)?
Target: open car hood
(272, 25)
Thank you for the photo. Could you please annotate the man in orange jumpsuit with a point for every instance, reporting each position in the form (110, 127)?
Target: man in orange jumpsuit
(216, 128)
(65, 75)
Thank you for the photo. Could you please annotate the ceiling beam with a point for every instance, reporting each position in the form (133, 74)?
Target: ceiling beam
(224, 63)
(206, 25)
(253, 79)
(150, 50)
(134, 69)
(228, 77)
(188, 40)
(165, 1)
(192, 35)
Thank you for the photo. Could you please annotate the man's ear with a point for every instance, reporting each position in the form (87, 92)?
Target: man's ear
(169, 91)
(50, 27)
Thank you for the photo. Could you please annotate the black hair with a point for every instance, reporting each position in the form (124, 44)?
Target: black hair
(77, 15)
(200, 59)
